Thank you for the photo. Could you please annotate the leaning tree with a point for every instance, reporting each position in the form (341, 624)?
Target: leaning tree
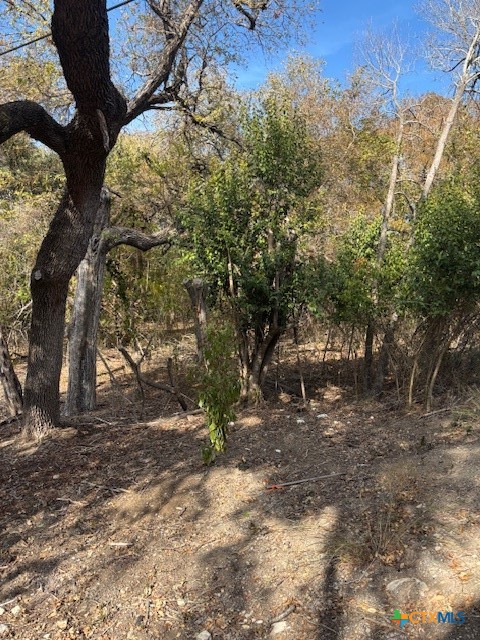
(185, 39)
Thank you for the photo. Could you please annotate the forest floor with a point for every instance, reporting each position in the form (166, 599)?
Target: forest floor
(113, 529)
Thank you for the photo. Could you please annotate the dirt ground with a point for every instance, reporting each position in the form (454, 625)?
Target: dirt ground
(112, 528)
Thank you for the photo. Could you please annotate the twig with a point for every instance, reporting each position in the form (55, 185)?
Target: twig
(432, 413)
(81, 504)
(283, 615)
(135, 367)
(112, 489)
(115, 383)
(174, 386)
(293, 482)
(3, 604)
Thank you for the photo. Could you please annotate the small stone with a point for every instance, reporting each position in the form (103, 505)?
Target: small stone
(407, 590)
(2, 611)
(16, 610)
(278, 627)
(300, 421)
(3, 630)
(322, 416)
(181, 602)
(62, 624)
(203, 635)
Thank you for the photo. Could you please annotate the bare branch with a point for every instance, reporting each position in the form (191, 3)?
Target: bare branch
(140, 102)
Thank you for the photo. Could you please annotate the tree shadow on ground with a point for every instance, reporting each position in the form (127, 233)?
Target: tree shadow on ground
(124, 518)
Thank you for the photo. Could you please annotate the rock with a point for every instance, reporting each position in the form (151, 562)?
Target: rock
(278, 627)
(16, 610)
(406, 590)
(181, 602)
(203, 635)
(2, 611)
(62, 624)
(3, 630)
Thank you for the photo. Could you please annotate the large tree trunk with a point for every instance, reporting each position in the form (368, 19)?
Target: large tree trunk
(80, 33)
(368, 358)
(11, 385)
(60, 254)
(83, 329)
(384, 356)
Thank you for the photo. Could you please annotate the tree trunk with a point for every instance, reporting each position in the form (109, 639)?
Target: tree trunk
(254, 370)
(60, 254)
(82, 333)
(368, 358)
(10, 383)
(197, 291)
(383, 358)
(80, 34)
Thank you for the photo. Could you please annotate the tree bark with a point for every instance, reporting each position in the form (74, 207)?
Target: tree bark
(197, 291)
(10, 383)
(254, 368)
(83, 330)
(368, 358)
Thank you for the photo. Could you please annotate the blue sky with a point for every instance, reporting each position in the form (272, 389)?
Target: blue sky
(336, 34)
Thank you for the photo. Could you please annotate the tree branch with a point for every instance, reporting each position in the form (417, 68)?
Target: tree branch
(140, 102)
(114, 236)
(28, 116)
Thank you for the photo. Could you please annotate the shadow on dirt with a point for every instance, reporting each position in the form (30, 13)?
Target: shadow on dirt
(110, 504)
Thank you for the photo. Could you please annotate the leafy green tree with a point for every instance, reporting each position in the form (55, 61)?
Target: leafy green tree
(443, 284)
(246, 220)
(445, 263)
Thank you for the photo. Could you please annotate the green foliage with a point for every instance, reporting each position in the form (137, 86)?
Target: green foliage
(353, 273)
(143, 290)
(220, 388)
(444, 271)
(245, 218)
(355, 288)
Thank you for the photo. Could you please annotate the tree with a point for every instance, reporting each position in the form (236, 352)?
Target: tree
(11, 385)
(456, 49)
(246, 219)
(80, 35)
(83, 329)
